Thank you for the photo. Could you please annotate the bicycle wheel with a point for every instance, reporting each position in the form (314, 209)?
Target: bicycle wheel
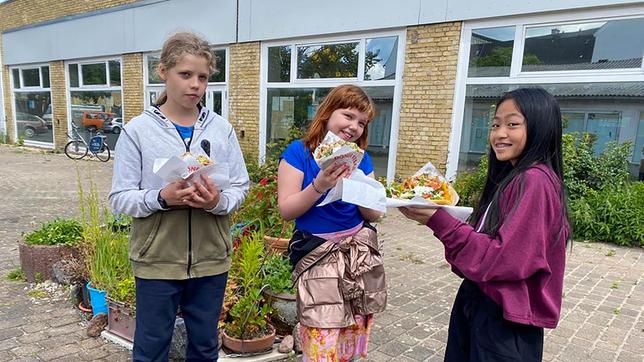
(75, 150)
(104, 153)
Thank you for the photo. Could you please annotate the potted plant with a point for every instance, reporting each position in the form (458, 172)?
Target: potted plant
(105, 247)
(246, 329)
(261, 212)
(121, 303)
(280, 293)
(52, 242)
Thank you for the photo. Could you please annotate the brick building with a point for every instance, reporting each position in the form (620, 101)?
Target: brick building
(434, 69)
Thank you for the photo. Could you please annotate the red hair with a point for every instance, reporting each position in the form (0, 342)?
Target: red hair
(345, 96)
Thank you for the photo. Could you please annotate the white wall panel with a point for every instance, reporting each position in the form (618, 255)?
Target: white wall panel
(277, 19)
(111, 32)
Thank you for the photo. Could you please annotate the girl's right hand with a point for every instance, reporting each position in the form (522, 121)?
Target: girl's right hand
(176, 192)
(329, 177)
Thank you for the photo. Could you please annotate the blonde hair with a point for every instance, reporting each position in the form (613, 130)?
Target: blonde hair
(180, 44)
(344, 96)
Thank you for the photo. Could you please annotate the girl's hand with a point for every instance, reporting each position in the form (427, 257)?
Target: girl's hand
(206, 195)
(417, 214)
(329, 177)
(174, 193)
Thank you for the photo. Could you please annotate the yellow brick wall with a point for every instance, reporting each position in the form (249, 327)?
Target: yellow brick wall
(431, 58)
(58, 103)
(132, 85)
(7, 98)
(243, 94)
(17, 13)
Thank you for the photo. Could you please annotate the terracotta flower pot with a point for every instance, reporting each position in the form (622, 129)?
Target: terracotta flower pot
(37, 260)
(249, 345)
(276, 245)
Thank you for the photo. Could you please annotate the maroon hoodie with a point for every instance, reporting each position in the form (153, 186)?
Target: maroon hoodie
(521, 268)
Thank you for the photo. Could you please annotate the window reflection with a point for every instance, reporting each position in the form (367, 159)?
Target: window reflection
(608, 111)
(380, 58)
(491, 52)
(586, 46)
(328, 61)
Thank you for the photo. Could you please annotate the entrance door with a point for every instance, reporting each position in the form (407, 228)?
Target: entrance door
(217, 100)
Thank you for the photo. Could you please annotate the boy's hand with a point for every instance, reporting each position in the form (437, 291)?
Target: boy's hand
(206, 195)
(174, 193)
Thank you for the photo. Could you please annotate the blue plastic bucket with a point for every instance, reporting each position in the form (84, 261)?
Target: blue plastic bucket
(97, 297)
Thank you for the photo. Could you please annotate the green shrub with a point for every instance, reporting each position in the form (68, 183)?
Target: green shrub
(56, 232)
(277, 274)
(603, 204)
(583, 171)
(615, 214)
(469, 185)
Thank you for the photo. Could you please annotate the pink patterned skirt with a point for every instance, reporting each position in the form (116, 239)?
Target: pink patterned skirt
(336, 344)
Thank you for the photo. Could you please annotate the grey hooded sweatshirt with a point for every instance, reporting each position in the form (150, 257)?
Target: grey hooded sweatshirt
(179, 242)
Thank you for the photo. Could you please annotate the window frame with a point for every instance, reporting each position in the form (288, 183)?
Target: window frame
(31, 89)
(90, 88)
(516, 76)
(105, 61)
(295, 83)
(22, 68)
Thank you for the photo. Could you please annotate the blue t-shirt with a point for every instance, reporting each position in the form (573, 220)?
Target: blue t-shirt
(185, 132)
(335, 216)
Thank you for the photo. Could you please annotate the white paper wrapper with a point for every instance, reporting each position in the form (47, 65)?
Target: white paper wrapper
(459, 212)
(360, 190)
(174, 168)
(342, 155)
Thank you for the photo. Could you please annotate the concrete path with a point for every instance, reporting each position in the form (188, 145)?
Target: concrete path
(603, 312)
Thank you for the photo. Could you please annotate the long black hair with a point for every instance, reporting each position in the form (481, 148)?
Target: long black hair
(543, 145)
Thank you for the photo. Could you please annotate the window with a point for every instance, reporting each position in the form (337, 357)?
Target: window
(381, 58)
(31, 77)
(592, 67)
(279, 64)
(219, 76)
(32, 105)
(299, 75)
(491, 52)
(608, 111)
(584, 46)
(327, 61)
(92, 74)
(638, 152)
(96, 98)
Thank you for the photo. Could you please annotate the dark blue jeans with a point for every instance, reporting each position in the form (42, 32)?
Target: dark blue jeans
(478, 332)
(157, 302)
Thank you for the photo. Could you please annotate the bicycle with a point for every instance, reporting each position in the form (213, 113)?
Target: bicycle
(78, 148)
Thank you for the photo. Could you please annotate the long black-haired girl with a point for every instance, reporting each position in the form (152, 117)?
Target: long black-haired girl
(512, 253)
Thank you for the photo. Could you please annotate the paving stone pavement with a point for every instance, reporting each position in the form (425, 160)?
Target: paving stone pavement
(602, 316)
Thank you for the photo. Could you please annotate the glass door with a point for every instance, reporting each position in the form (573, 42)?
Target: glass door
(217, 100)
(605, 126)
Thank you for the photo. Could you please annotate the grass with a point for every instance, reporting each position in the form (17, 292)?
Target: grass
(17, 275)
(35, 293)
